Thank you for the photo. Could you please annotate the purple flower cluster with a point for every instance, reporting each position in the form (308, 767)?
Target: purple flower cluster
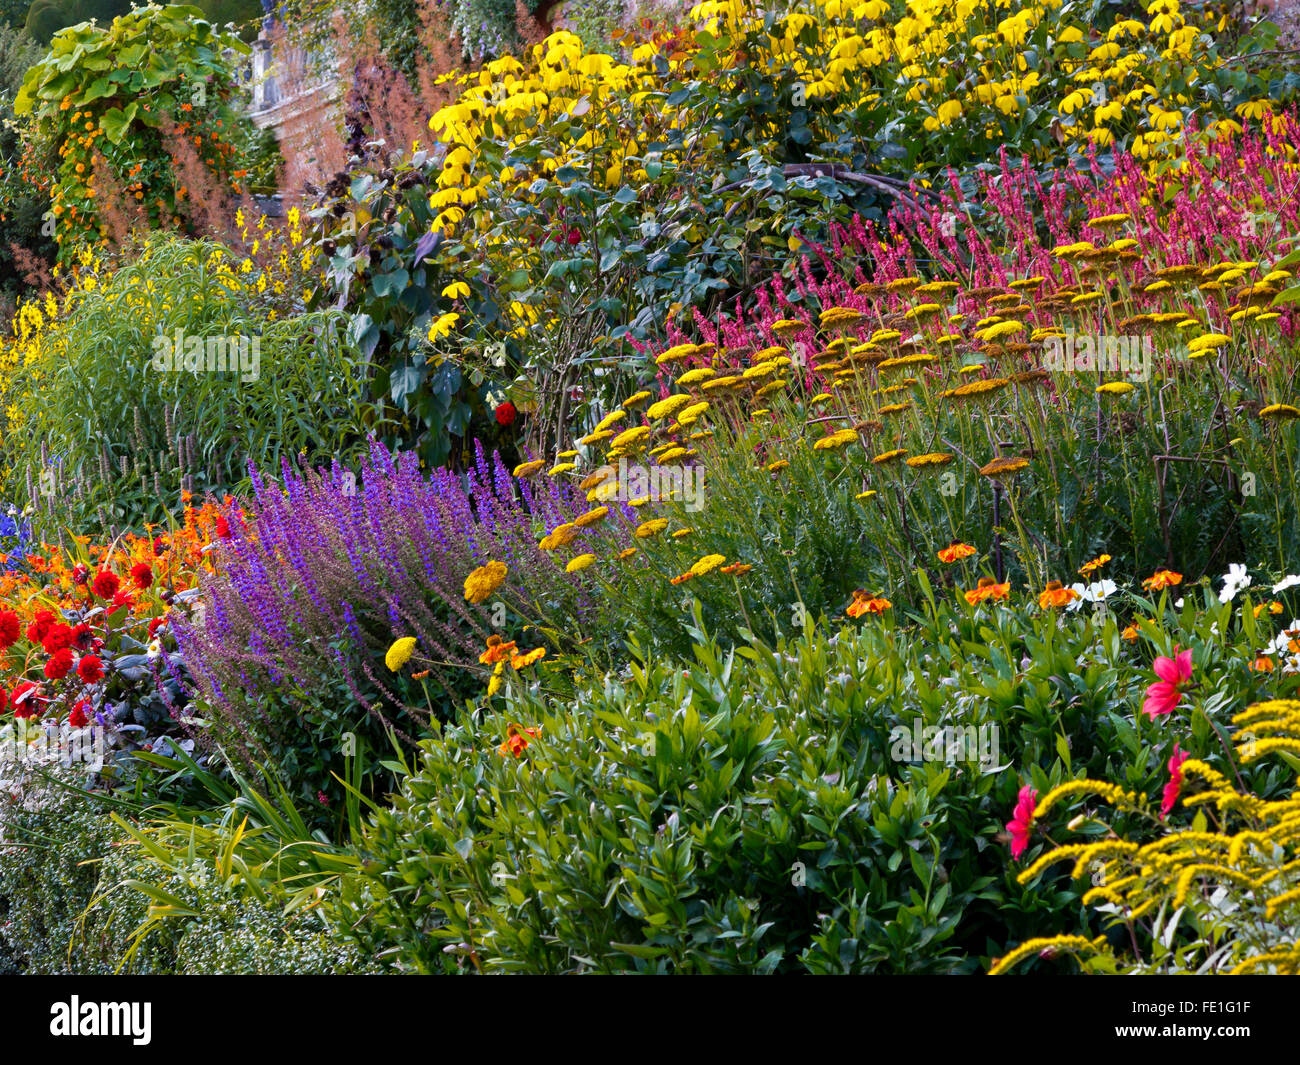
(325, 569)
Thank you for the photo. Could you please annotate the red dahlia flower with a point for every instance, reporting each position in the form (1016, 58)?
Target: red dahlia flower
(78, 716)
(106, 584)
(90, 669)
(9, 628)
(57, 638)
(40, 625)
(142, 574)
(59, 664)
(506, 413)
(24, 699)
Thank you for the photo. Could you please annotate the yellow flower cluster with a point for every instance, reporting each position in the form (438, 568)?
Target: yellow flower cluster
(1252, 855)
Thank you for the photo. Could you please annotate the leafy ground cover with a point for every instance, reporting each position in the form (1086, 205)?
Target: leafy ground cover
(757, 492)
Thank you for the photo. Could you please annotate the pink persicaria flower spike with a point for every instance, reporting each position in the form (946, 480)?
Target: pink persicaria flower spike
(1175, 786)
(1164, 695)
(1022, 820)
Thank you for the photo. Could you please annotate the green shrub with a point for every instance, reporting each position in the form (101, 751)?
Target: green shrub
(752, 811)
(50, 840)
(115, 413)
(226, 879)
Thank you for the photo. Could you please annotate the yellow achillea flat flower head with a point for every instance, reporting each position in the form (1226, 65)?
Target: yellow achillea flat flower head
(484, 581)
(400, 653)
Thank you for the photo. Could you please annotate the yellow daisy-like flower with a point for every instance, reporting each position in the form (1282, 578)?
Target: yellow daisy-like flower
(1115, 388)
(690, 414)
(933, 458)
(999, 329)
(600, 476)
(840, 318)
(718, 384)
(676, 354)
(610, 419)
(442, 326)
(560, 536)
(456, 290)
(1208, 342)
(1281, 411)
(1004, 467)
(484, 581)
(921, 311)
(903, 284)
(786, 327)
(400, 653)
(579, 563)
(984, 387)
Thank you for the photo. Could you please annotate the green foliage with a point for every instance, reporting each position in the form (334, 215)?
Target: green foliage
(764, 810)
(96, 886)
(224, 882)
(121, 117)
(48, 834)
(125, 420)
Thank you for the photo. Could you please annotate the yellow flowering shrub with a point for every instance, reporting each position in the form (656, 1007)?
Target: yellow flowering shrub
(1229, 884)
(577, 200)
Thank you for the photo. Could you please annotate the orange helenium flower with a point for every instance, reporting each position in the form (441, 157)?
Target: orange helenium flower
(1056, 596)
(867, 604)
(956, 551)
(988, 588)
(498, 650)
(1161, 579)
